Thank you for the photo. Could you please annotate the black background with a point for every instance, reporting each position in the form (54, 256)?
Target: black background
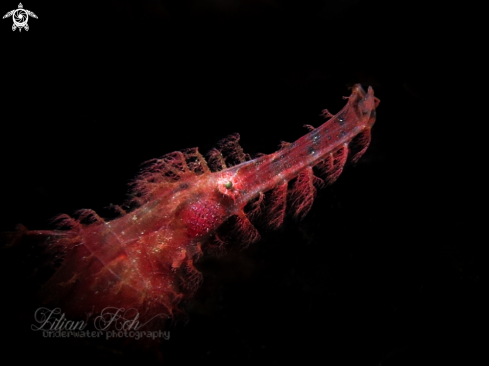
(387, 268)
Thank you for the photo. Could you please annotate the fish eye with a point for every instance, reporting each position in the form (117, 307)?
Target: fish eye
(229, 185)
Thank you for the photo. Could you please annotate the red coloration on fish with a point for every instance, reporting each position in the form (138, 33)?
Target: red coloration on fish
(145, 258)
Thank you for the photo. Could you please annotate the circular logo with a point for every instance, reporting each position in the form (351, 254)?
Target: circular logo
(20, 17)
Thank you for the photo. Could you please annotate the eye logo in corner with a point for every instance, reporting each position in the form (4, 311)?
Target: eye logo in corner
(20, 17)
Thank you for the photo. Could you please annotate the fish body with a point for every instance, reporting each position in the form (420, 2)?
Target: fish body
(145, 258)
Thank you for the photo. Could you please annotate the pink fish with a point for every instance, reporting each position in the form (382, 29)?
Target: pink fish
(145, 258)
